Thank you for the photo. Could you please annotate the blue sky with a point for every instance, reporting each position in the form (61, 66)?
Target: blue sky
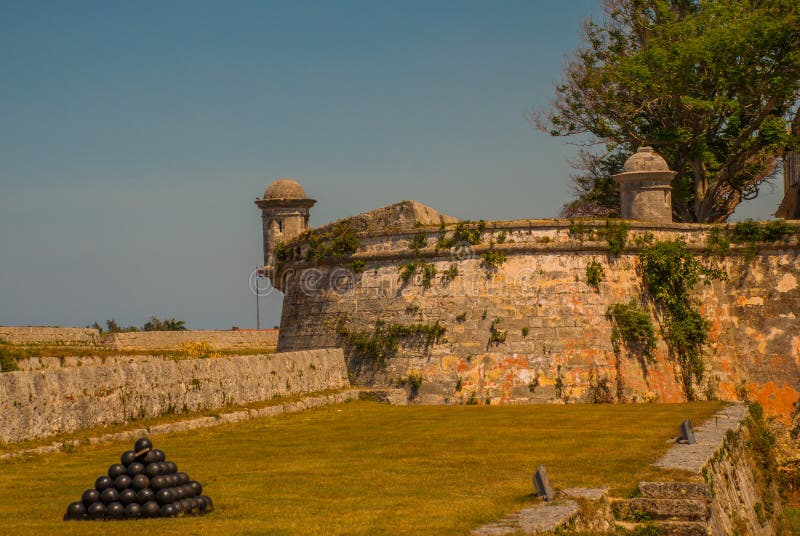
(134, 137)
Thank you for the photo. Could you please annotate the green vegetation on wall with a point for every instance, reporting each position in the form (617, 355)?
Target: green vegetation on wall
(338, 241)
(428, 273)
(465, 232)
(750, 234)
(9, 356)
(418, 242)
(493, 259)
(385, 339)
(594, 274)
(496, 336)
(451, 273)
(358, 266)
(614, 232)
(670, 271)
(632, 328)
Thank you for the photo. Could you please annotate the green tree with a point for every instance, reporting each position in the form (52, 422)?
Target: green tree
(710, 84)
(113, 327)
(169, 324)
(596, 193)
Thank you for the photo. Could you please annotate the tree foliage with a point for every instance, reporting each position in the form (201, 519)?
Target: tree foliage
(154, 324)
(711, 85)
(168, 324)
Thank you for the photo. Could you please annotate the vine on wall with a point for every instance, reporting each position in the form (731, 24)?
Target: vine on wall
(669, 272)
(631, 328)
(384, 340)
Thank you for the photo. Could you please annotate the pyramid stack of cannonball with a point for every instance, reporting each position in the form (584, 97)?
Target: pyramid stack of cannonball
(144, 484)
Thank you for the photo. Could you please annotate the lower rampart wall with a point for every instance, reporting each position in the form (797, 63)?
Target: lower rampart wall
(36, 404)
(139, 340)
(50, 335)
(217, 340)
(746, 498)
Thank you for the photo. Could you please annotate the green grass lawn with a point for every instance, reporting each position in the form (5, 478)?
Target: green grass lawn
(793, 520)
(364, 468)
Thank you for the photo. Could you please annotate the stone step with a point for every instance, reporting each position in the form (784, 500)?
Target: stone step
(674, 490)
(544, 517)
(645, 509)
(668, 528)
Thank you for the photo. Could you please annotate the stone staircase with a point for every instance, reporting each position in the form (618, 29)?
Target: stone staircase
(674, 508)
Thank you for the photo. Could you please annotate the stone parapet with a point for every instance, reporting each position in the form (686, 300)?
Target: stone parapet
(37, 404)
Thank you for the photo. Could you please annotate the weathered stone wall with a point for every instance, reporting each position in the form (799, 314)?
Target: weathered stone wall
(42, 403)
(49, 335)
(139, 340)
(743, 502)
(557, 338)
(217, 340)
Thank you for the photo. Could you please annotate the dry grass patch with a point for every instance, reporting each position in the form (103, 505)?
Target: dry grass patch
(365, 468)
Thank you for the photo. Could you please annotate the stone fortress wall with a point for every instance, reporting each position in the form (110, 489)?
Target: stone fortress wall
(139, 340)
(530, 328)
(557, 338)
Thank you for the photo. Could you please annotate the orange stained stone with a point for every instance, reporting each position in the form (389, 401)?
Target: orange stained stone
(727, 391)
(777, 401)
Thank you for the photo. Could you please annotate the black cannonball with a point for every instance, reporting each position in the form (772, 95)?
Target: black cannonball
(159, 482)
(122, 482)
(152, 469)
(160, 456)
(187, 506)
(144, 495)
(135, 468)
(163, 468)
(90, 496)
(209, 502)
(178, 493)
(183, 478)
(169, 510)
(133, 510)
(188, 490)
(172, 480)
(178, 506)
(115, 470)
(151, 509)
(150, 457)
(102, 483)
(165, 496)
(127, 496)
(115, 510)
(172, 467)
(76, 510)
(127, 458)
(109, 495)
(197, 489)
(96, 510)
(140, 482)
(142, 444)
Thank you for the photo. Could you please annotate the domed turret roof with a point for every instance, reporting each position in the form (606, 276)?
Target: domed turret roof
(285, 189)
(645, 159)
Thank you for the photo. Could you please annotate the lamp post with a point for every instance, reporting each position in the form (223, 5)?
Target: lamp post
(260, 273)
